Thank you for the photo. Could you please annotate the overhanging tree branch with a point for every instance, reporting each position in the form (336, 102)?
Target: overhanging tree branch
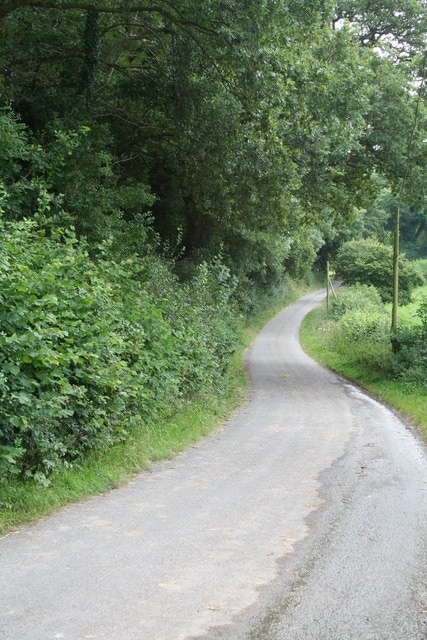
(171, 13)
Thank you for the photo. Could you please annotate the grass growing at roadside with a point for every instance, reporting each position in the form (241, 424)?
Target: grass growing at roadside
(365, 364)
(107, 469)
(103, 470)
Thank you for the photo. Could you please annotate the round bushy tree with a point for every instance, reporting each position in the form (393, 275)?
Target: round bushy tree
(368, 261)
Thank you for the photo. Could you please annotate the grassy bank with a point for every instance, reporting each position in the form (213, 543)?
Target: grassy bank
(103, 470)
(409, 398)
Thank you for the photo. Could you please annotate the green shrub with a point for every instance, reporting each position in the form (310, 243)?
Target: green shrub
(88, 350)
(359, 296)
(66, 380)
(422, 265)
(410, 363)
(368, 261)
(364, 325)
(358, 328)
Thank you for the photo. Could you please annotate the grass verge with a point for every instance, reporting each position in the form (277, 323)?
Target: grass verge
(408, 398)
(22, 503)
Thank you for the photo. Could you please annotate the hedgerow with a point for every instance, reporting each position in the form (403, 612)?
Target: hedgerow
(359, 296)
(90, 349)
(359, 328)
(410, 362)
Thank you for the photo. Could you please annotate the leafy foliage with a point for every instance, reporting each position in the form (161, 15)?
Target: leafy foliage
(411, 360)
(243, 122)
(165, 167)
(360, 316)
(359, 331)
(86, 351)
(359, 296)
(368, 261)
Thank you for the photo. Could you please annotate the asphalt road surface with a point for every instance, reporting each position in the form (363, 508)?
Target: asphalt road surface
(303, 518)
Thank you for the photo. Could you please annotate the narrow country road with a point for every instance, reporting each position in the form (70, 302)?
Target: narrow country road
(303, 518)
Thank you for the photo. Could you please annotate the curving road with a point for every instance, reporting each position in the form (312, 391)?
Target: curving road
(303, 518)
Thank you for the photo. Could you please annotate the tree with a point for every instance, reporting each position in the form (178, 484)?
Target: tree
(367, 261)
(216, 125)
(394, 25)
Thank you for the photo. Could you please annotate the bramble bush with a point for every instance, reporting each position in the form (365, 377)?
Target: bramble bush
(359, 326)
(364, 325)
(410, 362)
(359, 296)
(88, 351)
(422, 265)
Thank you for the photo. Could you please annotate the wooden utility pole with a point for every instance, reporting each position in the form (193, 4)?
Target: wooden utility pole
(327, 285)
(395, 306)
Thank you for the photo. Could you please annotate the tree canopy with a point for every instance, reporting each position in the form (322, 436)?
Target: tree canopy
(250, 129)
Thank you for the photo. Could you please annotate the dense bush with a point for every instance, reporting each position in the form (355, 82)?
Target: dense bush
(357, 328)
(367, 261)
(360, 296)
(362, 326)
(410, 362)
(422, 265)
(87, 350)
